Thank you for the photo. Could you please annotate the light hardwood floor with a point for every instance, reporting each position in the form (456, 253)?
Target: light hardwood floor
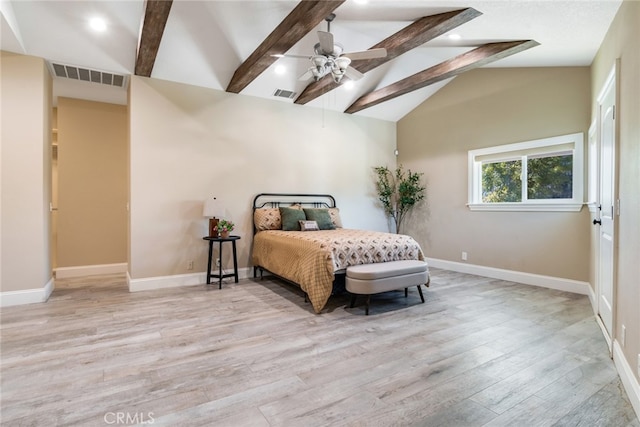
(479, 352)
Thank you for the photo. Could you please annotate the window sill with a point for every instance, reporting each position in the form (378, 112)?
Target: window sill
(527, 207)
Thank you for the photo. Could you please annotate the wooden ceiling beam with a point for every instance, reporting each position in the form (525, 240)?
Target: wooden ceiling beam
(302, 19)
(475, 58)
(419, 32)
(155, 19)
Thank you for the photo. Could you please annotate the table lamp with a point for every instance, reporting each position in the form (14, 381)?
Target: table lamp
(212, 209)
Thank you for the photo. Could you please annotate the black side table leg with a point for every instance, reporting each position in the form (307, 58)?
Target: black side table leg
(220, 264)
(209, 263)
(235, 260)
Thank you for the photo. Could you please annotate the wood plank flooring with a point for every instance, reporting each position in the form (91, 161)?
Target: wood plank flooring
(479, 352)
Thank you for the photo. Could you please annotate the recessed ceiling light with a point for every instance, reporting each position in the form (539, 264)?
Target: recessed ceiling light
(98, 24)
(349, 84)
(454, 36)
(280, 69)
(361, 1)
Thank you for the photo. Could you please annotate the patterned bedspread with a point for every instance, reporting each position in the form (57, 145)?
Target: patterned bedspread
(310, 259)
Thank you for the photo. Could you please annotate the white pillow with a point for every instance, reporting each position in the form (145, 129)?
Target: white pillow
(308, 225)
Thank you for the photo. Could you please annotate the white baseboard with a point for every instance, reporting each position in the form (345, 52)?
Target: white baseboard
(27, 296)
(629, 380)
(558, 283)
(163, 282)
(90, 270)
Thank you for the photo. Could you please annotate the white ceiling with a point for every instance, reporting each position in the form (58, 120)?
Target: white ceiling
(205, 41)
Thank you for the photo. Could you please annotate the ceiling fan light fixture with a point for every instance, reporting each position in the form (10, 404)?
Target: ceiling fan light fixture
(342, 63)
(337, 49)
(317, 74)
(317, 49)
(319, 61)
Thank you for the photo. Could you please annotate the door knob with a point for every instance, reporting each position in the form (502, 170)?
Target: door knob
(597, 221)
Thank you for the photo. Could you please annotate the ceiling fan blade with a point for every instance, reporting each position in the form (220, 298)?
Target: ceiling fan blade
(366, 54)
(305, 76)
(353, 74)
(326, 42)
(292, 56)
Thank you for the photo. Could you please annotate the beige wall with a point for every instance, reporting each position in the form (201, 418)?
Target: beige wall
(483, 108)
(25, 173)
(189, 143)
(623, 41)
(92, 183)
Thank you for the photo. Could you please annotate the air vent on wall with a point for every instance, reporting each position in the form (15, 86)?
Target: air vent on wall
(87, 75)
(282, 93)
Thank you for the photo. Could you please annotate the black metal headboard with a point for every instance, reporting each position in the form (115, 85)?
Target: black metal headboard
(275, 200)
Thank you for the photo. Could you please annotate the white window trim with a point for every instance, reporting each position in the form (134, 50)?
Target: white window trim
(553, 205)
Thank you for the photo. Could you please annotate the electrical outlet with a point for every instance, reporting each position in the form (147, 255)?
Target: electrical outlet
(623, 338)
(189, 265)
(217, 262)
(464, 256)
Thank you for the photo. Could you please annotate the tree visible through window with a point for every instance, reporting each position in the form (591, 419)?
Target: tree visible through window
(501, 182)
(550, 177)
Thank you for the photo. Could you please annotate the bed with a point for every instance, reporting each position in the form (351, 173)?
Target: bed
(316, 260)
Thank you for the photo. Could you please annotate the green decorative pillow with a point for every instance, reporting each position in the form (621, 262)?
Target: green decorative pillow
(321, 216)
(290, 218)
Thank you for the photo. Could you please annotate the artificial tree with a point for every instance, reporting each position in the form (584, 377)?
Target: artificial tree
(398, 192)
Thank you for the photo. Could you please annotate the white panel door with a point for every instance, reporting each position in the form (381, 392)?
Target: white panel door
(607, 204)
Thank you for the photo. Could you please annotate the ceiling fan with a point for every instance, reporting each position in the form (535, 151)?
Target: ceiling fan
(329, 58)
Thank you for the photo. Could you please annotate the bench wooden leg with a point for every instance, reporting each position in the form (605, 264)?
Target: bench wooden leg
(406, 292)
(366, 309)
(421, 296)
(353, 301)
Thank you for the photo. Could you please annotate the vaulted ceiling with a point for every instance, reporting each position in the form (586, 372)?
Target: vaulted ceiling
(229, 45)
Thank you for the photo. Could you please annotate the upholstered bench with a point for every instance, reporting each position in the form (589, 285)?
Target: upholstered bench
(368, 279)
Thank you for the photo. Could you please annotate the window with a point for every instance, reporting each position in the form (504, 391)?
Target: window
(540, 175)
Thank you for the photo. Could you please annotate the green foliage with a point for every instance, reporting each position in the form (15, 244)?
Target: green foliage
(547, 178)
(225, 225)
(550, 177)
(398, 192)
(501, 182)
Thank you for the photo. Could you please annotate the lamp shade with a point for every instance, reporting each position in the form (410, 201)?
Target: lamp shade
(343, 62)
(212, 208)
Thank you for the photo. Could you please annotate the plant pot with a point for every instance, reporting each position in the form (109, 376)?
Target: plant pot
(224, 234)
